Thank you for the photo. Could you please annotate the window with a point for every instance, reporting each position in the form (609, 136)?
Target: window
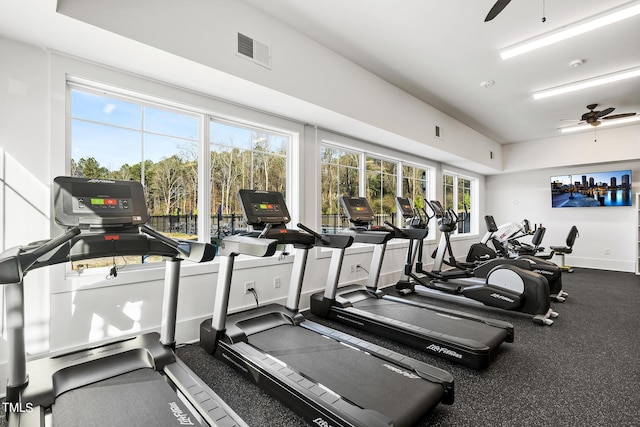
(343, 172)
(415, 184)
(123, 137)
(243, 158)
(457, 192)
(382, 181)
(117, 138)
(340, 176)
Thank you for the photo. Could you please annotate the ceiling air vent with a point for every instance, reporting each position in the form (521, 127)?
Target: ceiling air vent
(253, 50)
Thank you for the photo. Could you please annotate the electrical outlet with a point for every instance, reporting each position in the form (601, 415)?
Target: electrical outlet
(358, 267)
(249, 285)
(607, 251)
(353, 268)
(276, 282)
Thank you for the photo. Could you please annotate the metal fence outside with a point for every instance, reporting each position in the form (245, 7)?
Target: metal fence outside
(221, 225)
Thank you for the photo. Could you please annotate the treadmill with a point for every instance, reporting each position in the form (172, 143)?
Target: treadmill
(132, 382)
(459, 337)
(328, 377)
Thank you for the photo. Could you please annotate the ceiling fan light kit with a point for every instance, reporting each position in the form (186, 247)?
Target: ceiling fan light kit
(576, 128)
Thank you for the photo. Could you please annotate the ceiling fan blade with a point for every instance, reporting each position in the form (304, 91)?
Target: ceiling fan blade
(496, 9)
(604, 112)
(619, 116)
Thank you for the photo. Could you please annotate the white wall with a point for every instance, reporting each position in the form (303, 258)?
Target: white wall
(515, 196)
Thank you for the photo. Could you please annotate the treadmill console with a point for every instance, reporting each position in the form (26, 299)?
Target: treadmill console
(100, 203)
(263, 207)
(357, 209)
(405, 206)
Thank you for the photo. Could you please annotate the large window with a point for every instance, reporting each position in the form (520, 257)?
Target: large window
(352, 173)
(382, 182)
(119, 139)
(122, 137)
(340, 176)
(457, 191)
(415, 184)
(243, 158)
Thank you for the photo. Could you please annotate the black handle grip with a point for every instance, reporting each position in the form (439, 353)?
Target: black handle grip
(313, 233)
(54, 243)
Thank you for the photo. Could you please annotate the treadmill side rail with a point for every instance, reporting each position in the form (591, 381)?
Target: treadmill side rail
(207, 403)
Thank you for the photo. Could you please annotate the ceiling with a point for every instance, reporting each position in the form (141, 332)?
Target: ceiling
(439, 52)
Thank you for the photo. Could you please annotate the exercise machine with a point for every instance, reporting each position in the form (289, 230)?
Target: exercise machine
(135, 381)
(328, 377)
(456, 336)
(503, 239)
(500, 285)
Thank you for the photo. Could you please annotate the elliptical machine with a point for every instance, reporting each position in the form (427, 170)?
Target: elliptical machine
(502, 238)
(494, 283)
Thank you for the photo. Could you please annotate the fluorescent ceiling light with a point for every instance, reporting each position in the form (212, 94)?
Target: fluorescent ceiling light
(584, 84)
(604, 123)
(589, 24)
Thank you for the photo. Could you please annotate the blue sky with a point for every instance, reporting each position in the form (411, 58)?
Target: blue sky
(110, 130)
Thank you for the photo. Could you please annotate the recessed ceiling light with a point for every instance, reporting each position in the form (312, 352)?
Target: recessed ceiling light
(602, 124)
(609, 17)
(584, 84)
(576, 64)
(487, 83)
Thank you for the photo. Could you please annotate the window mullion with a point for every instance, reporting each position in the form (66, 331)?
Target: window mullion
(204, 181)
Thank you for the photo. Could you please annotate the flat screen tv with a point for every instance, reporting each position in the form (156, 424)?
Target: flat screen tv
(582, 190)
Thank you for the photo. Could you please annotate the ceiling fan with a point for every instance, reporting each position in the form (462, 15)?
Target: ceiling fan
(500, 5)
(593, 117)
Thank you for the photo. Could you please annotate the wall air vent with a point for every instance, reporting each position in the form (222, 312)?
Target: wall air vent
(253, 50)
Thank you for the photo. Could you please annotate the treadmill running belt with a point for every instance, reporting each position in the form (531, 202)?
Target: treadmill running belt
(438, 322)
(364, 380)
(140, 398)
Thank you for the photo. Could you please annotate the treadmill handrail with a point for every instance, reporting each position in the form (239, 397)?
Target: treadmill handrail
(237, 244)
(16, 261)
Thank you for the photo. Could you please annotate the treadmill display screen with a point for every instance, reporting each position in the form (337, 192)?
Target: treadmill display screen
(261, 207)
(357, 209)
(404, 205)
(95, 202)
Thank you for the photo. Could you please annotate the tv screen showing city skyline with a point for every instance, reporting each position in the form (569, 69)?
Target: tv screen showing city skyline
(594, 189)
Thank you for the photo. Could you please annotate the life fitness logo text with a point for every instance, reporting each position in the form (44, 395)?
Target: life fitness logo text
(322, 423)
(181, 416)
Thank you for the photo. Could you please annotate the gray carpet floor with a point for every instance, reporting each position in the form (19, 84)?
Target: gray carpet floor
(581, 371)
